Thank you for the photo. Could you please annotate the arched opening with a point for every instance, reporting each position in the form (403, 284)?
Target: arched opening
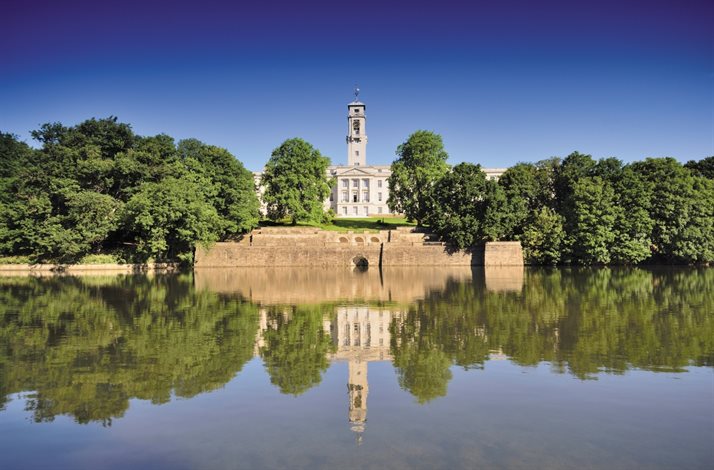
(375, 240)
(360, 262)
(343, 240)
(359, 240)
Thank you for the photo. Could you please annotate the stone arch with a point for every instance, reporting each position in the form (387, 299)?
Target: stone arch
(375, 240)
(360, 261)
(359, 240)
(344, 240)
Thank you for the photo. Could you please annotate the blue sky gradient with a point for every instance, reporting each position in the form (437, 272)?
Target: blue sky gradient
(502, 82)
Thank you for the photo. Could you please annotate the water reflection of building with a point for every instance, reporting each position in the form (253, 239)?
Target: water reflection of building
(360, 335)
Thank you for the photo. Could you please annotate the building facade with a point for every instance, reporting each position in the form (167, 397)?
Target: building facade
(360, 190)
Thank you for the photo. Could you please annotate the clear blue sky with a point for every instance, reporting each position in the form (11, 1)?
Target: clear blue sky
(502, 81)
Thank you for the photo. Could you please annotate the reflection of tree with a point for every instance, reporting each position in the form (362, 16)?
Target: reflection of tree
(422, 367)
(582, 321)
(296, 348)
(86, 346)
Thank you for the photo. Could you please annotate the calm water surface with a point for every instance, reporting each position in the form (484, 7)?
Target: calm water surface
(405, 368)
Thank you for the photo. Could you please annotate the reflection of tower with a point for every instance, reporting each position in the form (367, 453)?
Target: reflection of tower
(361, 335)
(358, 389)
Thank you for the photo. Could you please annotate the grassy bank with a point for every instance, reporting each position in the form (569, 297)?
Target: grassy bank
(372, 224)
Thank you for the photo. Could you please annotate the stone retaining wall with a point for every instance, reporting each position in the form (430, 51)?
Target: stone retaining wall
(283, 247)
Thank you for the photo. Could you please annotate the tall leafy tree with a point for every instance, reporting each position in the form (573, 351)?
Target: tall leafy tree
(295, 182)
(680, 211)
(592, 220)
(235, 199)
(420, 163)
(544, 237)
(167, 218)
(633, 224)
(465, 207)
(14, 155)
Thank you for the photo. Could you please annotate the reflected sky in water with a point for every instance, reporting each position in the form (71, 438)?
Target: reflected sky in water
(405, 368)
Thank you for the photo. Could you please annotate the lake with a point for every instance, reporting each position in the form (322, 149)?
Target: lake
(400, 368)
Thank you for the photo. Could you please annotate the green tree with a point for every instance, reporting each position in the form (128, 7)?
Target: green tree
(465, 207)
(703, 167)
(420, 163)
(522, 193)
(633, 224)
(235, 199)
(295, 182)
(680, 211)
(544, 238)
(592, 219)
(14, 155)
(167, 218)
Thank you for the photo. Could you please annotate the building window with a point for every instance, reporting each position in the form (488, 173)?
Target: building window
(344, 211)
(355, 183)
(379, 197)
(365, 183)
(355, 209)
(365, 196)
(356, 163)
(357, 152)
(332, 197)
(344, 183)
(345, 197)
(354, 197)
(379, 183)
(366, 210)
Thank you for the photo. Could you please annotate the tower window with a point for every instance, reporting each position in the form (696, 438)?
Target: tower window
(357, 152)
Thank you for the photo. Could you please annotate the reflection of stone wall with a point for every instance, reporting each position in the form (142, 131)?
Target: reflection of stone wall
(503, 278)
(315, 285)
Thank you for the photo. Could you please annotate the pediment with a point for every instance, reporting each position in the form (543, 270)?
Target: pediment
(354, 172)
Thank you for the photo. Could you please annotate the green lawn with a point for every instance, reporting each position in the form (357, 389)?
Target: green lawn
(372, 224)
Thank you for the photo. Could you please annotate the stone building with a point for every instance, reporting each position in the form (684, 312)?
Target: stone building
(360, 190)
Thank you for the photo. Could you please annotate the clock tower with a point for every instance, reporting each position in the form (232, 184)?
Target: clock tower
(356, 132)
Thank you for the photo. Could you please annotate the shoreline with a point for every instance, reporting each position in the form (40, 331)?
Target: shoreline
(74, 268)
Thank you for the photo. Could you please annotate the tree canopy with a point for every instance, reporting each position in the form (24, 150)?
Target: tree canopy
(295, 182)
(583, 211)
(420, 163)
(99, 188)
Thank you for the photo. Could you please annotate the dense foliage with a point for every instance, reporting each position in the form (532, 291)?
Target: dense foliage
(582, 211)
(420, 163)
(296, 183)
(98, 188)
